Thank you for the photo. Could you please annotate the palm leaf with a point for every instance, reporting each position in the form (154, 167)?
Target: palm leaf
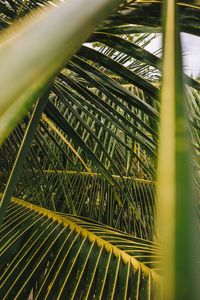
(111, 128)
(36, 81)
(94, 154)
(49, 256)
(175, 197)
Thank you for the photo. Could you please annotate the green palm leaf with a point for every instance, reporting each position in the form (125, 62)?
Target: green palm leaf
(93, 153)
(51, 256)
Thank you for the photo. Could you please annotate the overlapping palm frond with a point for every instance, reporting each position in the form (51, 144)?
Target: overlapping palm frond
(102, 118)
(48, 256)
(145, 16)
(53, 172)
(93, 155)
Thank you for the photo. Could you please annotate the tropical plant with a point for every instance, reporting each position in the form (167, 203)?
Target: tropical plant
(80, 150)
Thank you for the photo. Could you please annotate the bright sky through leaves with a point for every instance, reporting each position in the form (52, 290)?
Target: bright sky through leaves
(191, 52)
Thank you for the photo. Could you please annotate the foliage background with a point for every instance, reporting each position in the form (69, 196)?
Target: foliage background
(94, 152)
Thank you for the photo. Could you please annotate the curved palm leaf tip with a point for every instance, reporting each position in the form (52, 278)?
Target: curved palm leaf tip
(48, 256)
(106, 111)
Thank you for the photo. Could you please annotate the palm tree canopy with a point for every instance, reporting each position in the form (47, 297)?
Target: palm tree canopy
(84, 145)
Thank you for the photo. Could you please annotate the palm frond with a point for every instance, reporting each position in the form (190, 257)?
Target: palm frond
(94, 152)
(48, 256)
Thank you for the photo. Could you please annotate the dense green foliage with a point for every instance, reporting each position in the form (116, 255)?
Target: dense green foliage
(89, 150)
